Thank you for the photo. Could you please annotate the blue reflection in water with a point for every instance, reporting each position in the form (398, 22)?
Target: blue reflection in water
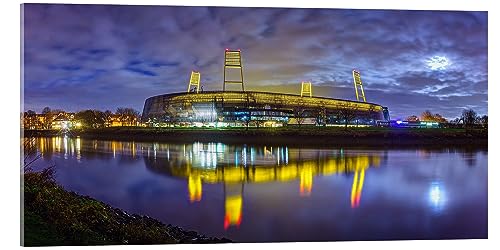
(437, 196)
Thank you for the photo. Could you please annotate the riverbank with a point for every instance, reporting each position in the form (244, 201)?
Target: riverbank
(54, 217)
(331, 136)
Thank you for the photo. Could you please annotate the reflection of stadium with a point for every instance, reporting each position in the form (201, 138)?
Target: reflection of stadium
(211, 163)
(233, 166)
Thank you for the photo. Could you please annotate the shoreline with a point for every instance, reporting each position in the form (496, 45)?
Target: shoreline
(354, 137)
(53, 216)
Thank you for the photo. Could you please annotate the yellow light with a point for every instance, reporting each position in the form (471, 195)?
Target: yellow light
(234, 175)
(357, 187)
(306, 179)
(357, 83)
(195, 188)
(233, 213)
(306, 89)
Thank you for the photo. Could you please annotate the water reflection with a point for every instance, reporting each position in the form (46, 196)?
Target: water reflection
(75, 147)
(234, 166)
(210, 163)
(437, 196)
(325, 181)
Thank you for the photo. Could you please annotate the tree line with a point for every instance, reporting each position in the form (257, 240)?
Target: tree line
(468, 118)
(89, 118)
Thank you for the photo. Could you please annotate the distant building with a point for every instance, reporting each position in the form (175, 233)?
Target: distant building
(33, 121)
(64, 120)
(61, 120)
(409, 124)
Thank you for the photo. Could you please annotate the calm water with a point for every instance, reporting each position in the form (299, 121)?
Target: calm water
(260, 193)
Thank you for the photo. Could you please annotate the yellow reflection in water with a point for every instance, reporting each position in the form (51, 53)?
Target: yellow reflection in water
(286, 173)
(261, 174)
(42, 145)
(357, 187)
(216, 163)
(78, 148)
(113, 146)
(195, 188)
(234, 175)
(306, 179)
(233, 206)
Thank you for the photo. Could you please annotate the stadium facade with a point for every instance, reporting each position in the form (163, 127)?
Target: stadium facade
(256, 109)
(235, 108)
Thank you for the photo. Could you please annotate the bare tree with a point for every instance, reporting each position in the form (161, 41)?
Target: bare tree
(412, 118)
(484, 121)
(426, 116)
(107, 117)
(299, 115)
(430, 117)
(373, 115)
(128, 115)
(47, 112)
(469, 117)
(320, 115)
(91, 118)
(346, 112)
(30, 154)
(299, 112)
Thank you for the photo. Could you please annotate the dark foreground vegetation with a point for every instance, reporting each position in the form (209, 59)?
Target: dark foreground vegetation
(54, 216)
(352, 136)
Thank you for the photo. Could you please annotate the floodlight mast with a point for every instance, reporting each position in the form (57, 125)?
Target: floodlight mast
(358, 84)
(306, 89)
(232, 60)
(194, 81)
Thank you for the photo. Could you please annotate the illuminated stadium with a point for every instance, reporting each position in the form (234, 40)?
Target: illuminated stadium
(258, 109)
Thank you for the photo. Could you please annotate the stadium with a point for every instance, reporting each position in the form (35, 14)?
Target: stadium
(258, 109)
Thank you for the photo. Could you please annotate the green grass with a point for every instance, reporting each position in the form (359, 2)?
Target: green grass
(54, 216)
(37, 232)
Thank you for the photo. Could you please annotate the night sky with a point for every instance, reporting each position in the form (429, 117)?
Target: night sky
(103, 57)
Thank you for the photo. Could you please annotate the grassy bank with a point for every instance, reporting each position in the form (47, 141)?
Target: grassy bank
(288, 135)
(54, 216)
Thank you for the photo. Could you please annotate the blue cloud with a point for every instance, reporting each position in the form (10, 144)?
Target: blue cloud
(141, 71)
(281, 47)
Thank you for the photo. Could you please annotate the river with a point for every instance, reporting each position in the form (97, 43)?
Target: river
(259, 193)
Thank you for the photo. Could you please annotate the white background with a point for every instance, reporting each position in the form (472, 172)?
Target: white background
(10, 98)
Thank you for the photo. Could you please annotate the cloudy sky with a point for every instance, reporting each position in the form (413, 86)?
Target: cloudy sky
(103, 57)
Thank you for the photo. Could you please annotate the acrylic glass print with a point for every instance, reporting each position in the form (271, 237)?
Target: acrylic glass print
(171, 124)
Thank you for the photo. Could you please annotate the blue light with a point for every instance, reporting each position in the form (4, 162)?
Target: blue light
(399, 122)
(236, 158)
(437, 196)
